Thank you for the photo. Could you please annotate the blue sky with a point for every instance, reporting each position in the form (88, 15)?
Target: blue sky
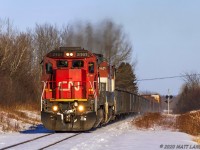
(165, 33)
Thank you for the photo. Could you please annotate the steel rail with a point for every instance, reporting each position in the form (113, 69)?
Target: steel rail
(59, 141)
(27, 141)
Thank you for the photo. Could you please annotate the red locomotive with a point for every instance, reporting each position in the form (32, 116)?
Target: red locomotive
(79, 91)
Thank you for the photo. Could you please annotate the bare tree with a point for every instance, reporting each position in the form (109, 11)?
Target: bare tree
(192, 80)
(106, 38)
(66, 35)
(16, 59)
(189, 97)
(89, 37)
(46, 39)
(22, 52)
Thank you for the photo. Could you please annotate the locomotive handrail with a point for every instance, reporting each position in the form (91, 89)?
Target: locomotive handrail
(48, 87)
(71, 86)
(44, 86)
(95, 95)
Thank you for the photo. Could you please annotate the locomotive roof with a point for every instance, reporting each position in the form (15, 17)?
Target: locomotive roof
(59, 52)
(62, 50)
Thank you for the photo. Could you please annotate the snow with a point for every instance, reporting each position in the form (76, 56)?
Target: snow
(194, 111)
(32, 114)
(18, 120)
(123, 136)
(149, 140)
(115, 136)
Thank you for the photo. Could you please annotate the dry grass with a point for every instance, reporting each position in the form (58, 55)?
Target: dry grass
(188, 123)
(8, 126)
(34, 106)
(17, 118)
(197, 139)
(150, 120)
(30, 107)
(18, 115)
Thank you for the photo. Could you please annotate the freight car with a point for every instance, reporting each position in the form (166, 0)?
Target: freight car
(79, 91)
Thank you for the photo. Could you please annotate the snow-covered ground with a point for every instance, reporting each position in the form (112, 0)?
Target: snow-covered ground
(18, 120)
(119, 135)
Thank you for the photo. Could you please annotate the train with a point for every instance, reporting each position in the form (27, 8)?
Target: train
(79, 92)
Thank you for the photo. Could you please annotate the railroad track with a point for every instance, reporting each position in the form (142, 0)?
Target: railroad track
(59, 141)
(40, 137)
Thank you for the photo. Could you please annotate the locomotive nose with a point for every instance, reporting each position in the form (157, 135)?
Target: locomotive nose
(70, 84)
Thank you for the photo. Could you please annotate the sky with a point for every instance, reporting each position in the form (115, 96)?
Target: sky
(165, 34)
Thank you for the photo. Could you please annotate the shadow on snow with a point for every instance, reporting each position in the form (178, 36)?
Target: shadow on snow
(37, 129)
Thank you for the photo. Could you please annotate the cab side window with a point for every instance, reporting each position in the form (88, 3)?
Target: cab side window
(91, 67)
(49, 68)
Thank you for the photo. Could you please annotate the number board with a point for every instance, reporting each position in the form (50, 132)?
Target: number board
(81, 54)
(56, 54)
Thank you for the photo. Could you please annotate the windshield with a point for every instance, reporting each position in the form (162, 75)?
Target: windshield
(77, 63)
(62, 63)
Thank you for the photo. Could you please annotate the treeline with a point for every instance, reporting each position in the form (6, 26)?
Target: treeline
(21, 53)
(189, 97)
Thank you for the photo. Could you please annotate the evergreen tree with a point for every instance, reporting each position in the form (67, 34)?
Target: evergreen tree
(126, 78)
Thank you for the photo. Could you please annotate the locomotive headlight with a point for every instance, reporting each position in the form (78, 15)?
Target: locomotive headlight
(55, 108)
(81, 108)
(76, 104)
(67, 54)
(71, 54)
(90, 90)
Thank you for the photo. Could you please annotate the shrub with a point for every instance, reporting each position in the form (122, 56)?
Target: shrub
(149, 120)
(189, 123)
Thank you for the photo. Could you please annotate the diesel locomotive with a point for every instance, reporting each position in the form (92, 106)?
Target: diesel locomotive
(79, 91)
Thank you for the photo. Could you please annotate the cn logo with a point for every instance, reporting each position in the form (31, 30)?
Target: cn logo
(69, 85)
